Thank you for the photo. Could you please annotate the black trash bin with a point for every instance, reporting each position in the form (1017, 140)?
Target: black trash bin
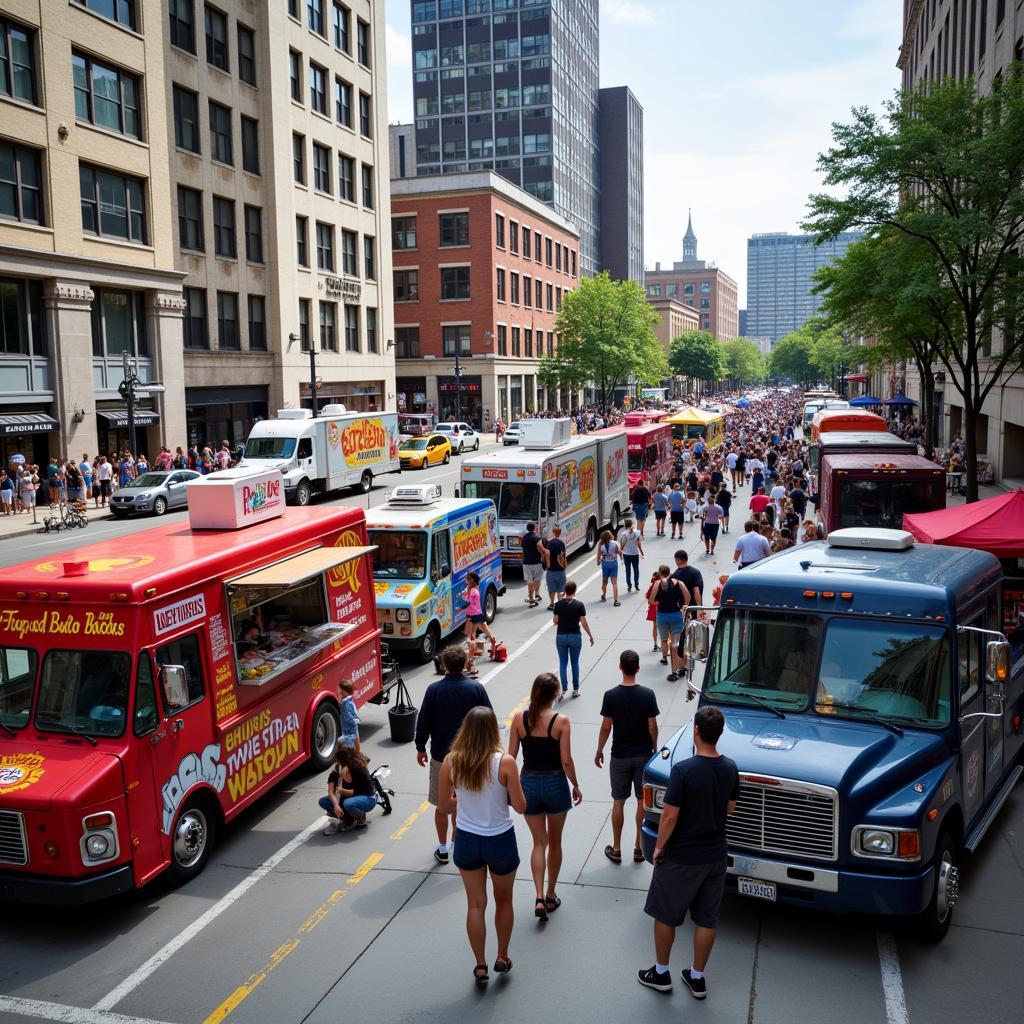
(402, 717)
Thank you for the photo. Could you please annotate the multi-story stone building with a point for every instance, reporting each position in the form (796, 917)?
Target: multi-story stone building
(280, 181)
(480, 271)
(87, 268)
(674, 318)
(622, 184)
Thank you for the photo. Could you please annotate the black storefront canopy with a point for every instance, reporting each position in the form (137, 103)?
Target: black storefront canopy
(27, 423)
(116, 418)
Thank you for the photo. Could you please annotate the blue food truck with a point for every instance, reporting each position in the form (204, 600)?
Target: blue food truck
(873, 708)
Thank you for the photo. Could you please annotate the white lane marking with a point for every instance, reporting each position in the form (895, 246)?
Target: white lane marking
(161, 956)
(66, 1014)
(892, 980)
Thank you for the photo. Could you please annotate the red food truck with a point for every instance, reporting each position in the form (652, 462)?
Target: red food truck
(153, 686)
(649, 450)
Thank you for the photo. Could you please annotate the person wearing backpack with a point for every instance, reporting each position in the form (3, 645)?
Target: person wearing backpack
(631, 541)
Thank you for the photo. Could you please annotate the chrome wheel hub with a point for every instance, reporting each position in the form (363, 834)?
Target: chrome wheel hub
(190, 838)
(948, 891)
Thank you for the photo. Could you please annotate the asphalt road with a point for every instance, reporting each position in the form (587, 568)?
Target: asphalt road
(288, 926)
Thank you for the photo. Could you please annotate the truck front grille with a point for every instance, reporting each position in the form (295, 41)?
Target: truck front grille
(13, 847)
(785, 816)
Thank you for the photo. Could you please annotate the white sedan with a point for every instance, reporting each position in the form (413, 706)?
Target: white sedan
(462, 436)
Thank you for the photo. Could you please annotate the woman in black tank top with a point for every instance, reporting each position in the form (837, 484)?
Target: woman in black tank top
(548, 769)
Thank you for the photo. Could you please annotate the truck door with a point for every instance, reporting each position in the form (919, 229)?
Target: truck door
(971, 664)
(548, 508)
(304, 456)
(446, 601)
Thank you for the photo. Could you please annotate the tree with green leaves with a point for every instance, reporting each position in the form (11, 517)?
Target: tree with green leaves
(697, 355)
(607, 339)
(831, 355)
(792, 356)
(945, 166)
(743, 361)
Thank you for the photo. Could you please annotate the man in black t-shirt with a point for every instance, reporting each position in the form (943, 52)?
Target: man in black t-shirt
(691, 854)
(629, 714)
(694, 581)
(534, 554)
(556, 566)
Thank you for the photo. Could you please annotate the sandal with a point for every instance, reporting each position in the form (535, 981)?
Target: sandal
(664, 661)
(479, 977)
(551, 903)
(638, 855)
(615, 856)
(540, 910)
(502, 965)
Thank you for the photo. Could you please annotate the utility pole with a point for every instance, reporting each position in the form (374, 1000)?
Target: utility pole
(458, 385)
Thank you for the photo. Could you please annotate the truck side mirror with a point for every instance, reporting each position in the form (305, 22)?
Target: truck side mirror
(997, 665)
(698, 640)
(445, 570)
(174, 686)
(457, 492)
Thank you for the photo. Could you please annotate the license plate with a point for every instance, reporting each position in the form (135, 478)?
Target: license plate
(756, 888)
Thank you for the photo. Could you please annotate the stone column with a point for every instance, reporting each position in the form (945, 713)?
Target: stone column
(69, 328)
(165, 318)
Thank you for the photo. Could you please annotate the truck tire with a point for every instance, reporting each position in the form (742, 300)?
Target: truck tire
(933, 922)
(591, 535)
(303, 492)
(192, 839)
(323, 737)
(429, 643)
(366, 482)
(490, 605)
(616, 516)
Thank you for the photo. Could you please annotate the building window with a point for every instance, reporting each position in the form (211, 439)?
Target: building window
(558, 256)
(371, 330)
(705, 303)
(21, 191)
(454, 229)
(367, 171)
(299, 159)
(365, 127)
(190, 219)
(536, 246)
(363, 43)
(328, 327)
(120, 11)
(295, 75)
(250, 145)
(17, 62)
(351, 328)
(526, 242)
(407, 343)
(672, 290)
(406, 285)
(558, 300)
(455, 283)
(302, 241)
(227, 321)
(186, 119)
(257, 323)
(654, 291)
(253, 234)
(499, 231)
(118, 324)
(502, 340)
(538, 301)
(549, 292)
(547, 252)
(514, 290)
(246, 55)
(197, 334)
(369, 258)
(224, 228)
(348, 254)
(106, 96)
(457, 339)
(322, 169)
(705, 287)
(527, 291)
(403, 232)
(515, 342)
(112, 204)
(513, 237)
(528, 342)
(318, 88)
(220, 134)
(346, 178)
(500, 289)
(315, 16)
(217, 39)
(343, 102)
(572, 254)
(304, 342)
(183, 24)
(342, 23)
(325, 246)
(688, 289)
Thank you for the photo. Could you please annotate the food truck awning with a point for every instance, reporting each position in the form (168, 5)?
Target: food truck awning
(293, 571)
(993, 524)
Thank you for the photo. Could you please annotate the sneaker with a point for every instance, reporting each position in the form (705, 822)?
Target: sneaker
(441, 856)
(652, 978)
(698, 986)
(616, 604)
(332, 829)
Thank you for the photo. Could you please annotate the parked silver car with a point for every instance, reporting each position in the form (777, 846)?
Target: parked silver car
(154, 492)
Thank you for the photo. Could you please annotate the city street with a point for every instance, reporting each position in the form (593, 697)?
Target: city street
(287, 925)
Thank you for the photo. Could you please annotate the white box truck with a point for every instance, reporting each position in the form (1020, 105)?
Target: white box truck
(578, 483)
(321, 453)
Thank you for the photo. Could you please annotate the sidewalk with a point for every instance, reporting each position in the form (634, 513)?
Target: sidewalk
(21, 525)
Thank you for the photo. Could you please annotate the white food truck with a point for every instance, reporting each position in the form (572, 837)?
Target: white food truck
(324, 452)
(552, 478)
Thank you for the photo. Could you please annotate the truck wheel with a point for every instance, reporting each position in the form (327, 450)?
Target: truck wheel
(933, 922)
(159, 506)
(191, 840)
(490, 605)
(323, 737)
(616, 515)
(429, 643)
(366, 481)
(303, 492)
(591, 536)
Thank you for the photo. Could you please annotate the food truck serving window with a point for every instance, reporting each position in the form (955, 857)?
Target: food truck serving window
(84, 692)
(17, 681)
(400, 554)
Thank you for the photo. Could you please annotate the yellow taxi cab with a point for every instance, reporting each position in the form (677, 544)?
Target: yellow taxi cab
(428, 450)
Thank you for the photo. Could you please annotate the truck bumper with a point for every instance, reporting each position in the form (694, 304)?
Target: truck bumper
(823, 887)
(65, 892)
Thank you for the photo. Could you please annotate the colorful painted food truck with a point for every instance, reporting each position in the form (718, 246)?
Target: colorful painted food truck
(425, 546)
(691, 423)
(153, 686)
(649, 448)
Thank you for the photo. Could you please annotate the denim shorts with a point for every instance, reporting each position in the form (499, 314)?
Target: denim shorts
(499, 853)
(609, 570)
(546, 792)
(556, 581)
(641, 512)
(669, 623)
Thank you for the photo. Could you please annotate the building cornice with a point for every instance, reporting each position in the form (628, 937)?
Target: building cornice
(913, 17)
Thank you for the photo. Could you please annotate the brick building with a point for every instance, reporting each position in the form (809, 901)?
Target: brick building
(675, 317)
(480, 270)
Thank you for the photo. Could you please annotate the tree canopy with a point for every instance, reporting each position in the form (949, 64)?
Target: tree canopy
(742, 361)
(698, 355)
(791, 356)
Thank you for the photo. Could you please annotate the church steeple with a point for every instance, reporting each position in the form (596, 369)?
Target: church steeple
(689, 240)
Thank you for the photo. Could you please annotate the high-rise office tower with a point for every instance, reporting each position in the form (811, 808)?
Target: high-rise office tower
(512, 85)
(622, 184)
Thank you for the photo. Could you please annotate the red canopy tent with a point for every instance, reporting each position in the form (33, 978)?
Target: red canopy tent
(995, 525)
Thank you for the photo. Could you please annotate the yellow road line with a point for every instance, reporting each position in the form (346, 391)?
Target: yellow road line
(523, 703)
(407, 824)
(285, 950)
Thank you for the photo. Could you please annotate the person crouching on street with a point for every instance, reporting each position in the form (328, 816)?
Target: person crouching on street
(350, 794)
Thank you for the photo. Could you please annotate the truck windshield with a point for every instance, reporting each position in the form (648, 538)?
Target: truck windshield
(84, 692)
(636, 462)
(269, 447)
(17, 681)
(519, 501)
(400, 554)
(897, 672)
(883, 501)
(483, 489)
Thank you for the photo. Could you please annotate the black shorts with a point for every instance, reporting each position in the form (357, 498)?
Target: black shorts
(104, 488)
(678, 888)
(710, 530)
(678, 517)
(660, 515)
(627, 773)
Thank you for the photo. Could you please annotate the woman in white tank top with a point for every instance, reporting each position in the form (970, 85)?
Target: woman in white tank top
(481, 781)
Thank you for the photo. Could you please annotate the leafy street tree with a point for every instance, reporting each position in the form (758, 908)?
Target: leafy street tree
(607, 339)
(830, 353)
(792, 356)
(945, 167)
(743, 362)
(697, 355)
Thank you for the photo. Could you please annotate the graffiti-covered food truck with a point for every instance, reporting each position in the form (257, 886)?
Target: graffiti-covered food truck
(552, 478)
(425, 546)
(153, 686)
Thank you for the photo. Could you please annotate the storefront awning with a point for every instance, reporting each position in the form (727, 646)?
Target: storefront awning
(856, 378)
(119, 419)
(293, 571)
(28, 423)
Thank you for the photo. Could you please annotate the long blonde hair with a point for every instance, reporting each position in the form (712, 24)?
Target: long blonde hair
(473, 749)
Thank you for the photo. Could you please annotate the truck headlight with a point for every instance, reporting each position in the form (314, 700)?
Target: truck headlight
(403, 615)
(654, 798)
(877, 842)
(893, 843)
(99, 838)
(97, 846)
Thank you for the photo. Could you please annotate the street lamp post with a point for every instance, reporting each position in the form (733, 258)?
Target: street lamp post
(458, 384)
(312, 378)
(129, 389)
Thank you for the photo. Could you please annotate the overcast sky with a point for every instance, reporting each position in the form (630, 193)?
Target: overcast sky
(738, 99)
